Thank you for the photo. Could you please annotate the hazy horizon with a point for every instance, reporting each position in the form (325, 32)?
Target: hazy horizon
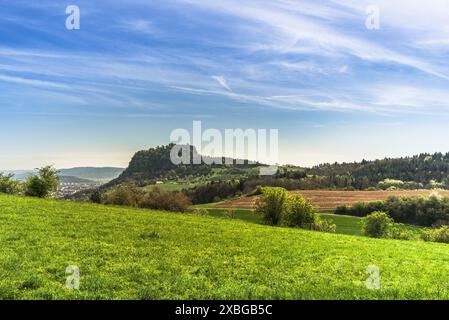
(285, 163)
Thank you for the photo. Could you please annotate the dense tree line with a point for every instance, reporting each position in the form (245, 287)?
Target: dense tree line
(421, 171)
(423, 211)
(424, 170)
(215, 191)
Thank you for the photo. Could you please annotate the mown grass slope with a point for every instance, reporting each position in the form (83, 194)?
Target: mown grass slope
(139, 254)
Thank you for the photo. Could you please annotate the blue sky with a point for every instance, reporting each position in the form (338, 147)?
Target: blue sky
(137, 69)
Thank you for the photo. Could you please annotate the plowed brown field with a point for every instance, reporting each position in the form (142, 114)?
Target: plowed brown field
(327, 201)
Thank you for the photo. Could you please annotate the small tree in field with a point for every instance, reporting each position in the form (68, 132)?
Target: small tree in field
(377, 225)
(275, 205)
(44, 185)
(96, 197)
(299, 213)
(271, 204)
(8, 185)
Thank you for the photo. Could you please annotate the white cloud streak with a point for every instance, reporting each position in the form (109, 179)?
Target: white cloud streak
(301, 41)
(222, 81)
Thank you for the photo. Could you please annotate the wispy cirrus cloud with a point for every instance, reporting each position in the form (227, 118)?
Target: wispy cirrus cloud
(305, 45)
(299, 32)
(146, 66)
(140, 25)
(222, 81)
(33, 82)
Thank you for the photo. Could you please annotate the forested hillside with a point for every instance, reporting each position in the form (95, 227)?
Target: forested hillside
(90, 173)
(147, 166)
(421, 171)
(424, 171)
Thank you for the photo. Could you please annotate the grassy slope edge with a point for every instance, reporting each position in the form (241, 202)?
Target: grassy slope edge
(139, 254)
(345, 224)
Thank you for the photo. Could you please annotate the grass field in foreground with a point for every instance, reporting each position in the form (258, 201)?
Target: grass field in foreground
(140, 254)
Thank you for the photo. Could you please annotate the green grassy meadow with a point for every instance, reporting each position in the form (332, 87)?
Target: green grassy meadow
(348, 225)
(125, 253)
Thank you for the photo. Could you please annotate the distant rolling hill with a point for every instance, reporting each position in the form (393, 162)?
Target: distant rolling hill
(21, 174)
(103, 174)
(70, 179)
(77, 175)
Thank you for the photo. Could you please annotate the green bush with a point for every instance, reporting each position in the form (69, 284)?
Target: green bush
(133, 196)
(299, 212)
(342, 209)
(8, 185)
(277, 206)
(271, 204)
(323, 225)
(44, 185)
(377, 224)
(124, 195)
(200, 212)
(165, 200)
(397, 231)
(229, 214)
(96, 197)
(437, 235)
